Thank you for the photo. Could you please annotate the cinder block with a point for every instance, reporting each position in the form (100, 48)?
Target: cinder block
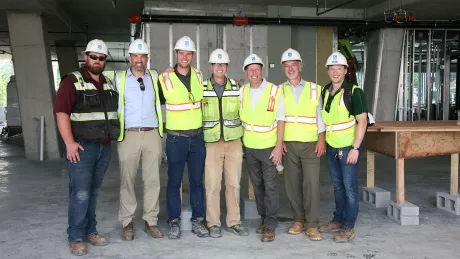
(448, 202)
(376, 196)
(405, 214)
(249, 209)
(186, 215)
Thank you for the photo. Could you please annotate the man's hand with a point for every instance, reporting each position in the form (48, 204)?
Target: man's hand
(284, 148)
(320, 148)
(353, 156)
(169, 70)
(72, 152)
(277, 154)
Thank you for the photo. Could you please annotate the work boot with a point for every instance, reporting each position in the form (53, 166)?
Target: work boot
(296, 228)
(199, 228)
(153, 230)
(174, 233)
(268, 235)
(260, 229)
(314, 234)
(128, 232)
(95, 240)
(78, 248)
(330, 227)
(238, 230)
(345, 235)
(215, 231)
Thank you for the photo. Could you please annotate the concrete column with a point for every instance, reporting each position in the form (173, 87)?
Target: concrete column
(67, 57)
(324, 48)
(304, 41)
(278, 40)
(382, 72)
(32, 66)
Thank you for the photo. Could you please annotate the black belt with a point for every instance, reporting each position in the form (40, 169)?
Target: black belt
(140, 129)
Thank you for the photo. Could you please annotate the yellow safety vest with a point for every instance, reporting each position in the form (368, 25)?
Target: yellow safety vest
(183, 108)
(260, 125)
(227, 107)
(340, 125)
(121, 105)
(300, 117)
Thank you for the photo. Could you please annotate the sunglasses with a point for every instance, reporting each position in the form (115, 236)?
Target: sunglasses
(141, 84)
(191, 98)
(94, 57)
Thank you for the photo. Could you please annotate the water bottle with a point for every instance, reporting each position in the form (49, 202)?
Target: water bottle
(279, 167)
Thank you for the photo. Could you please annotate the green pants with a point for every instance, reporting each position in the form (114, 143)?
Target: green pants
(301, 176)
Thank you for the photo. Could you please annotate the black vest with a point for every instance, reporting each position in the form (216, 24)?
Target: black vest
(94, 117)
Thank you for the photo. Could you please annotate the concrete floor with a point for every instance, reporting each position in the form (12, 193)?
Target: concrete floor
(33, 218)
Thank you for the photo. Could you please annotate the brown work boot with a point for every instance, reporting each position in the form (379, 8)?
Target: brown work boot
(128, 232)
(330, 227)
(78, 248)
(314, 234)
(268, 235)
(345, 235)
(260, 229)
(296, 228)
(95, 240)
(154, 231)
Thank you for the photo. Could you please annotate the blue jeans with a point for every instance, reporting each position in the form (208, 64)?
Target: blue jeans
(344, 178)
(181, 149)
(85, 179)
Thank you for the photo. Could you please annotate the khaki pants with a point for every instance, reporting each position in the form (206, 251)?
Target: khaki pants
(225, 157)
(147, 146)
(301, 176)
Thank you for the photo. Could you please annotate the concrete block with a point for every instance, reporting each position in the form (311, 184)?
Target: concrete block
(405, 214)
(448, 202)
(376, 196)
(249, 209)
(186, 215)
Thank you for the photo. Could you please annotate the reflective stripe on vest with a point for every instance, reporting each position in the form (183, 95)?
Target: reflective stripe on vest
(341, 126)
(300, 119)
(183, 107)
(82, 86)
(93, 116)
(260, 129)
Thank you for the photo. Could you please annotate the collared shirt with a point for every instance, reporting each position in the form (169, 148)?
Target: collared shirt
(218, 88)
(297, 91)
(256, 93)
(140, 108)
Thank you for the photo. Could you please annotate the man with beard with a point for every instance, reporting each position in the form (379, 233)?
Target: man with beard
(86, 110)
(182, 90)
(262, 116)
(141, 129)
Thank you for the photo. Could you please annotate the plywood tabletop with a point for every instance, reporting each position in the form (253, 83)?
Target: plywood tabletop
(398, 126)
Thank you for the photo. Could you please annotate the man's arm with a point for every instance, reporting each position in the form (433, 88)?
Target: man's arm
(160, 93)
(277, 153)
(321, 143)
(359, 108)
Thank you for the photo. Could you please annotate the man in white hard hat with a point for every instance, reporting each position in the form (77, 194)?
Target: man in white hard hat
(86, 111)
(345, 115)
(182, 90)
(304, 144)
(262, 116)
(141, 130)
(224, 152)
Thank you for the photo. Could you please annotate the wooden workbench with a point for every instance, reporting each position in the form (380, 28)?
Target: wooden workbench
(412, 139)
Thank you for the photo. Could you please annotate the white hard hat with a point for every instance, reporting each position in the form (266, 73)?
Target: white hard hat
(290, 54)
(138, 47)
(219, 56)
(97, 46)
(185, 43)
(336, 58)
(252, 59)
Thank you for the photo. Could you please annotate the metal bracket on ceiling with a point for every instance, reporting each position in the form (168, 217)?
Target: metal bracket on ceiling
(318, 13)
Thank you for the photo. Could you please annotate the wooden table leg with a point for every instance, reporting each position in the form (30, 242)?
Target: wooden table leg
(400, 181)
(370, 169)
(252, 196)
(454, 174)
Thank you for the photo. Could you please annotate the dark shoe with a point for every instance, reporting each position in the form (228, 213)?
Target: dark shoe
(330, 227)
(268, 235)
(215, 231)
(95, 240)
(154, 231)
(78, 248)
(128, 232)
(260, 229)
(296, 228)
(174, 233)
(199, 228)
(238, 230)
(345, 235)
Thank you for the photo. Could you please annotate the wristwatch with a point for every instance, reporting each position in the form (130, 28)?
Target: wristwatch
(355, 148)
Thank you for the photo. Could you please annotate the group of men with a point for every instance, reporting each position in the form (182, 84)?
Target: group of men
(209, 124)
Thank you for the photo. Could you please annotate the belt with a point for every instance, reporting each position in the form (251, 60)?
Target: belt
(140, 129)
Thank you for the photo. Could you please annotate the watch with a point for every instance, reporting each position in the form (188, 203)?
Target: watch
(355, 148)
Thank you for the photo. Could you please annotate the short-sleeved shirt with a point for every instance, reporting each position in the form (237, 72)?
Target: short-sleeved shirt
(358, 99)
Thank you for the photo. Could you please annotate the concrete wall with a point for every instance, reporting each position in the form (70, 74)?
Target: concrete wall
(303, 40)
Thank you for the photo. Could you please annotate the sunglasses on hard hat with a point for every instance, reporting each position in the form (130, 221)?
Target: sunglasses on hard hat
(94, 57)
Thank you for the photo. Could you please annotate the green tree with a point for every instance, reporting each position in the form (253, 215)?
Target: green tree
(6, 70)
